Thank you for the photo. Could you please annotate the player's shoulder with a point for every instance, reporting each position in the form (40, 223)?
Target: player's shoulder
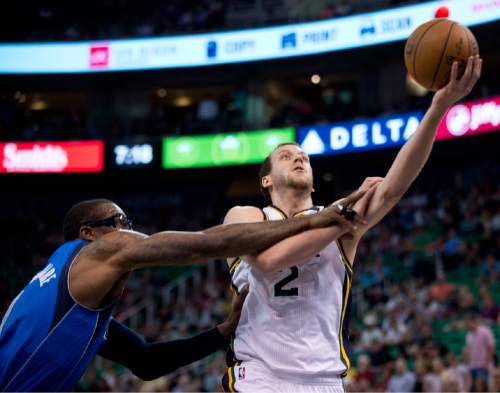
(243, 214)
(112, 242)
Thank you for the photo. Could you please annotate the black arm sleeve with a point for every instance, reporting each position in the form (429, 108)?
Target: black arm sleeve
(151, 361)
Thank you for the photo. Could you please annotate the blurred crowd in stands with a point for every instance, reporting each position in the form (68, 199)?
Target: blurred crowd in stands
(31, 116)
(432, 291)
(426, 293)
(107, 19)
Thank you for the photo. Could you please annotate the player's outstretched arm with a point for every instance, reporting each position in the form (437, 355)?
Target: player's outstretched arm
(414, 154)
(103, 264)
(152, 360)
(297, 249)
(128, 250)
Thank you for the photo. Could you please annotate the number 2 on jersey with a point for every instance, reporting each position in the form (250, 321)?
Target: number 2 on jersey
(278, 287)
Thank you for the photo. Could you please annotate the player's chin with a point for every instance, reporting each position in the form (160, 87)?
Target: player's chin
(301, 182)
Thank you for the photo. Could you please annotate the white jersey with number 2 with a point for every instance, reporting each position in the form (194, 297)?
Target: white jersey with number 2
(294, 322)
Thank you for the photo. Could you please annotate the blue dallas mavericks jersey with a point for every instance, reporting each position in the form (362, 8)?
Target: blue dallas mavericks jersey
(46, 339)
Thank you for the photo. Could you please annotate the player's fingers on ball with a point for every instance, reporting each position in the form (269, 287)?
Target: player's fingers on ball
(454, 72)
(471, 84)
(478, 64)
(470, 65)
(468, 71)
(476, 72)
(472, 78)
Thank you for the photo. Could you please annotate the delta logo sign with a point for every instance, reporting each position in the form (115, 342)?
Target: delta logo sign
(346, 137)
(51, 157)
(465, 119)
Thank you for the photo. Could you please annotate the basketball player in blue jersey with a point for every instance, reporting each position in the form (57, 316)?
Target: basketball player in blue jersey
(62, 318)
(292, 335)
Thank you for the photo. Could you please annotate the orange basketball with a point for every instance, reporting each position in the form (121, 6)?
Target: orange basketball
(433, 47)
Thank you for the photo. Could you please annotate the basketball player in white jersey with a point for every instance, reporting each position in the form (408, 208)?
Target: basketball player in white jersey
(292, 334)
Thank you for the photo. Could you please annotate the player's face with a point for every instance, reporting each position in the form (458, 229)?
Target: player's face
(112, 218)
(291, 169)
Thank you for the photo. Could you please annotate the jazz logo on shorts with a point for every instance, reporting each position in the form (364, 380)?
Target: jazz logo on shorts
(241, 373)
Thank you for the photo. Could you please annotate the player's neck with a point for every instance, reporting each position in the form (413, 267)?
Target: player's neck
(292, 201)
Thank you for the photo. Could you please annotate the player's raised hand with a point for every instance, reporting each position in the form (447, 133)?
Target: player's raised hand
(228, 327)
(457, 89)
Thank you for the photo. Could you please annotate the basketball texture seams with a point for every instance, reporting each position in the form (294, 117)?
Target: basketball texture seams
(433, 47)
(412, 44)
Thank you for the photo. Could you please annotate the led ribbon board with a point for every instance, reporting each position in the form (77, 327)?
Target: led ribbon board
(133, 155)
(470, 118)
(361, 135)
(51, 157)
(239, 46)
(222, 149)
(464, 119)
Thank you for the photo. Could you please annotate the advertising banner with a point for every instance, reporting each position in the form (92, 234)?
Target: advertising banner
(359, 135)
(51, 157)
(464, 119)
(266, 43)
(470, 118)
(222, 149)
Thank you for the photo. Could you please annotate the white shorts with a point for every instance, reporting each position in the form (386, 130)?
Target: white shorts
(249, 377)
